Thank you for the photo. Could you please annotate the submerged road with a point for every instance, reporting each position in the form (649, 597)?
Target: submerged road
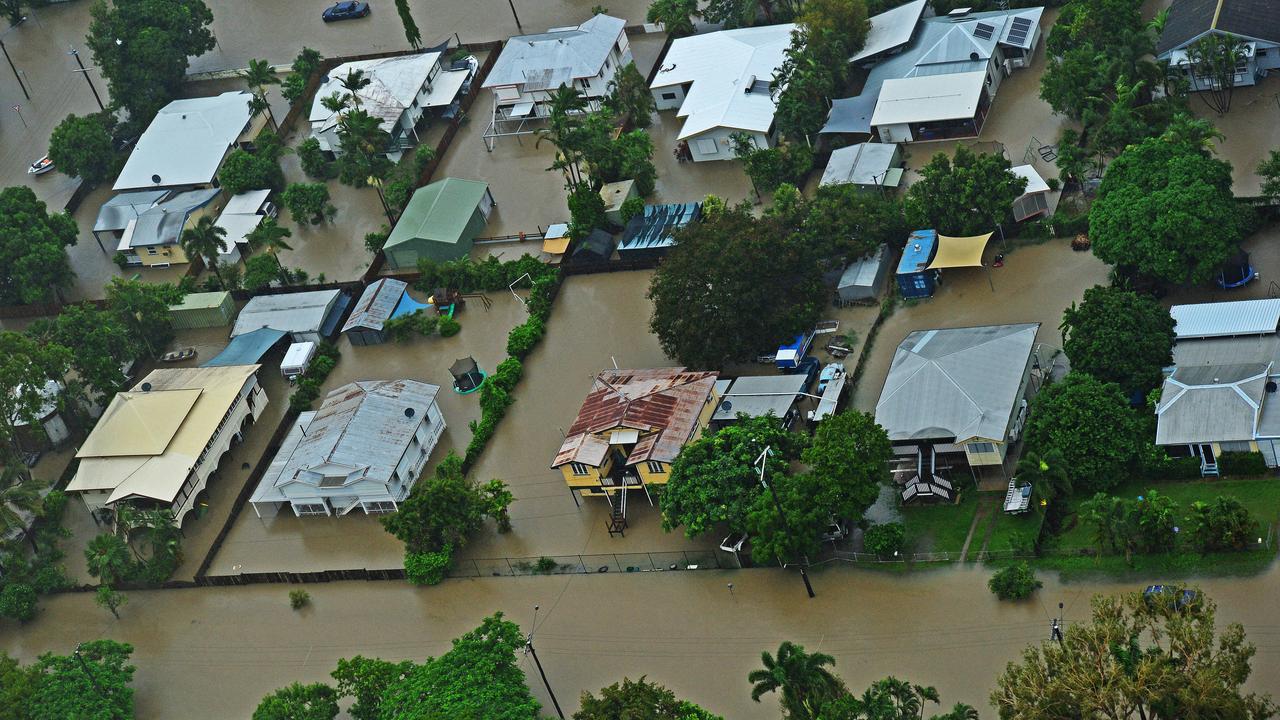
(213, 653)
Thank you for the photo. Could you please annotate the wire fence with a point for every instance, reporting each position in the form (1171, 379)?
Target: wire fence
(586, 564)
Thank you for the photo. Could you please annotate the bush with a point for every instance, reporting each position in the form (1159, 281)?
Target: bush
(314, 163)
(299, 599)
(630, 208)
(1223, 524)
(1015, 582)
(1158, 466)
(884, 540)
(494, 401)
(523, 338)
(18, 601)
(507, 374)
(427, 568)
(448, 326)
(374, 241)
(545, 565)
(489, 275)
(1242, 463)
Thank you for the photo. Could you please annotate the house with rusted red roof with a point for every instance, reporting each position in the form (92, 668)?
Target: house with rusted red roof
(630, 429)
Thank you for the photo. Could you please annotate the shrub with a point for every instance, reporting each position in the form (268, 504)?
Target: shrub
(1015, 582)
(448, 326)
(299, 599)
(374, 241)
(18, 601)
(523, 338)
(494, 400)
(427, 568)
(314, 163)
(630, 208)
(1242, 463)
(884, 540)
(1223, 524)
(545, 565)
(507, 374)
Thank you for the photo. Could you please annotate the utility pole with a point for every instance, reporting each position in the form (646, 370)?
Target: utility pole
(1055, 632)
(14, 68)
(528, 645)
(76, 54)
(85, 667)
(786, 528)
(521, 29)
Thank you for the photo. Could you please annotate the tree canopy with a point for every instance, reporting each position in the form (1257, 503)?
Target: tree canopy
(25, 366)
(33, 248)
(366, 679)
(714, 301)
(1119, 336)
(316, 701)
(849, 460)
(1165, 208)
(675, 15)
(638, 700)
(969, 194)
(1137, 657)
(143, 308)
(81, 146)
(1091, 424)
(142, 48)
(849, 222)
(100, 345)
(65, 690)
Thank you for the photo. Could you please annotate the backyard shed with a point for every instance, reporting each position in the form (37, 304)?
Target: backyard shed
(440, 223)
(1035, 198)
(863, 278)
(650, 233)
(915, 278)
(614, 194)
(202, 310)
(377, 304)
(594, 248)
(303, 315)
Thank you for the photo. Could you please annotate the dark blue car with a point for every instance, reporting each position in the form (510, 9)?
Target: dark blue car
(346, 11)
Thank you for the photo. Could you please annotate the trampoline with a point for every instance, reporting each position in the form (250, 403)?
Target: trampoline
(467, 376)
(1237, 272)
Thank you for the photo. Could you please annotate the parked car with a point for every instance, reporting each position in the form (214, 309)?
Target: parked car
(347, 10)
(836, 531)
(829, 373)
(1184, 598)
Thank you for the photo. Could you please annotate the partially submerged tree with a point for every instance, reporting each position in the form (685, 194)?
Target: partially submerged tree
(33, 248)
(316, 701)
(81, 146)
(308, 203)
(629, 97)
(676, 16)
(802, 680)
(25, 366)
(258, 76)
(1119, 336)
(100, 345)
(638, 700)
(143, 308)
(969, 194)
(1215, 60)
(93, 682)
(205, 240)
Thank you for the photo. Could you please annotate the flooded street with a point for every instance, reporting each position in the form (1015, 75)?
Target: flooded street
(216, 652)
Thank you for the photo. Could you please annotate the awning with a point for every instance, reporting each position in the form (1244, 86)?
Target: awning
(246, 349)
(851, 115)
(521, 109)
(955, 252)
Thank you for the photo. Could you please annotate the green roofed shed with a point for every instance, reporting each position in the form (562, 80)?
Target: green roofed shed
(441, 223)
(201, 310)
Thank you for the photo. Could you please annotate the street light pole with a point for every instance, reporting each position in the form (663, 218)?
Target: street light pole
(528, 645)
(76, 54)
(521, 29)
(14, 68)
(786, 528)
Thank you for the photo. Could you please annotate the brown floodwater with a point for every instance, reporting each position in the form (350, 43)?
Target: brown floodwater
(213, 653)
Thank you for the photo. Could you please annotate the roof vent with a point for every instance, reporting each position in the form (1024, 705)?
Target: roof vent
(916, 247)
(959, 12)
(1271, 386)
(408, 412)
(726, 406)
(155, 179)
(974, 56)
(750, 86)
(146, 387)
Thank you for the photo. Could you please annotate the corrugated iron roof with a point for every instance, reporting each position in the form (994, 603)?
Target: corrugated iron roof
(1211, 403)
(662, 403)
(1222, 319)
(376, 304)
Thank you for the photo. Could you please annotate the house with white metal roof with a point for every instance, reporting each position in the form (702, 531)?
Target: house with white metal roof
(960, 392)
(364, 448)
(185, 144)
(156, 446)
(719, 83)
(303, 316)
(400, 93)
(532, 67)
(868, 165)
(967, 54)
(759, 395)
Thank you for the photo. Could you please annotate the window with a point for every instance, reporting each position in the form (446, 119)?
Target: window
(668, 96)
(379, 507)
(978, 448)
(607, 66)
(578, 469)
(708, 146)
(152, 251)
(303, 509)
(656, 467)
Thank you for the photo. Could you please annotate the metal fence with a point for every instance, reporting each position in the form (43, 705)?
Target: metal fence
(586, 564)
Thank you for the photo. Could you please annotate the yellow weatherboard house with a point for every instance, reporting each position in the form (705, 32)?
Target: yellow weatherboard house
(631, 427)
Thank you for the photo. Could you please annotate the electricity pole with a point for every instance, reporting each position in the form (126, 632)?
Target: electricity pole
(521, 29)
(786, 528)
(528, 645)
(76, 54)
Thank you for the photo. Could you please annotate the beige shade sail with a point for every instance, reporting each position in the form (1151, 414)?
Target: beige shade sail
(955, 252)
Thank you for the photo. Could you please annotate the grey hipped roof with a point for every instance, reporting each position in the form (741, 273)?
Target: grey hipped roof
(116, 213)
(759, 395)
(1211, 403)
(362, 429)
(1189, 19)
(561, 55)
(163, 224)
(959, 383)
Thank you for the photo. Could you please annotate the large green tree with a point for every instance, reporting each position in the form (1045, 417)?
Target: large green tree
(1091, 424)
(1119, 336)
(316, 701)
(969, 194)
(142, 48)
(17, 688)
(811, 73)
(81, 146)
(480, 677)
(1165, 208)
(841, 21)
(308, 203)
(366, 680)
(715, 301)
(1136, 658)
(143, 308)
(629, 97)
(801, 678)
(675, 15)
(848, 222)
(33, 248)
(638, 700)
(849, 460)
(92, 686)
(100, 345)
(25, 366)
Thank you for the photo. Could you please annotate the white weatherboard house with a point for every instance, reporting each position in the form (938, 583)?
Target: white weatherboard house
(185, 144)
(399, 93)
(1255, 23)
(720, 83)
(1221, 394)
(365, 447)
(532, 67)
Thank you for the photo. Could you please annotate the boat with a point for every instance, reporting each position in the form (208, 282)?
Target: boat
(179, 355)
(41, 166)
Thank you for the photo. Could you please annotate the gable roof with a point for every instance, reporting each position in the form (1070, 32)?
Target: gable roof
(116, 213)
(362, 430)
(1211, 403)
(163, 223)
(928, 98)
(730, 72)
(959, 383)
(1189, 19)
(440, 211)
(544, 61)
(891, 29)
(394, 86)
(1225, 319)
(663, 404)
(376, 304)
(302, 312)
(186, 142)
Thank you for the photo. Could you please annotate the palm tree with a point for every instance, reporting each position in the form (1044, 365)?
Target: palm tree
(959, 711)
(258, 76)
(1046, 473)
(363, 161)
(567, 108)
(270, 235)
(19, 499)
(353, 83)
(205, 240)
(334, 103)
(803, 679)
(1214, 60)
(108, 558)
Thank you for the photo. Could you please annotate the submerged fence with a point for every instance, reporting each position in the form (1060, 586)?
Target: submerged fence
(587, 564)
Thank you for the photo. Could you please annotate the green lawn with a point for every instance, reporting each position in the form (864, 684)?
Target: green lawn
(1260, 495)
(939, 528)
(1026, 525)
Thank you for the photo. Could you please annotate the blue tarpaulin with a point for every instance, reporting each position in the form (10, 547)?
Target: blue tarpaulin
(407, 306)
(246, 349)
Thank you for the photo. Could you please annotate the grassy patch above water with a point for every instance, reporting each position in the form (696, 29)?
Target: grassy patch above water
(940, 527)
(1148, 569)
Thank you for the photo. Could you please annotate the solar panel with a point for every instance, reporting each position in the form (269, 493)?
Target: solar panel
(1017, 37)
(1021, 23)
(1019, 29)
(983, 30)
